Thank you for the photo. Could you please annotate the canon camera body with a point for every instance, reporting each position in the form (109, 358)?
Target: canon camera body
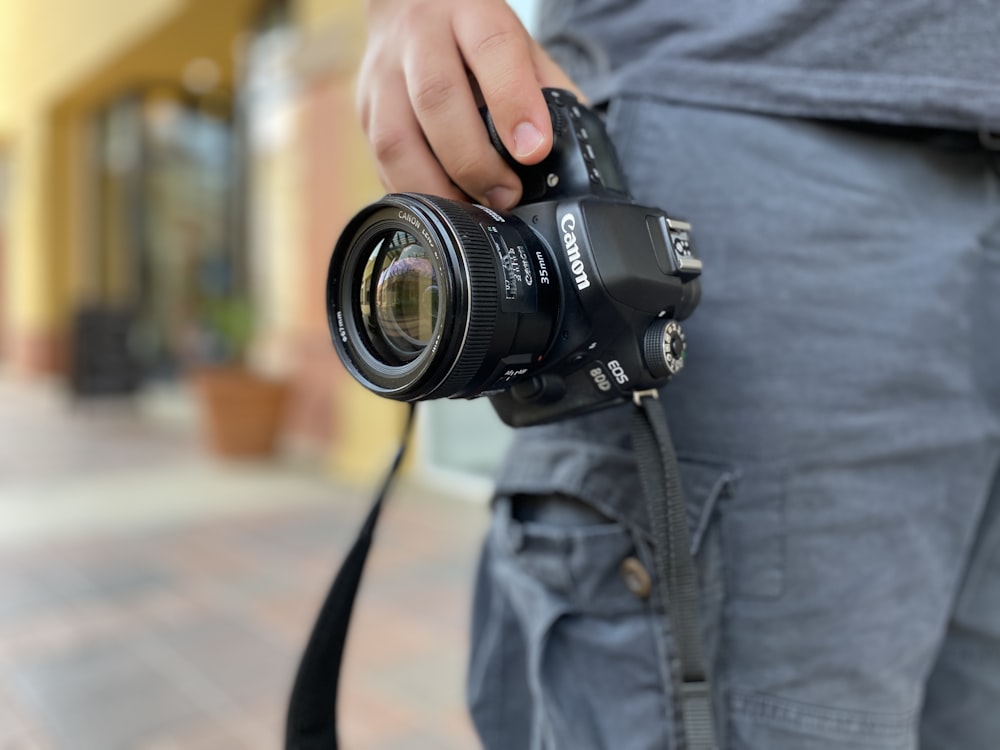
(567, 303)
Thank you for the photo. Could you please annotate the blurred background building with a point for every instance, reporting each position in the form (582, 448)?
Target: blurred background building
(173, 174)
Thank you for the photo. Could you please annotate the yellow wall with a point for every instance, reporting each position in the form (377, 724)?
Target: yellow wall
(59, 61)
(52, 45)
(62, 61)
(45, 47)
(314, 15)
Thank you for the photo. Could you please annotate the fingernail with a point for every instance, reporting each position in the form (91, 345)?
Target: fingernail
(501, 197)
(527, 139)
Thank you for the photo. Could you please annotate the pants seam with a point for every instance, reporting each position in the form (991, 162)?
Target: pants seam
(819, 718)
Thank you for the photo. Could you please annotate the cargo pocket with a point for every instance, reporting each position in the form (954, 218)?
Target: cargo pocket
(753, 530)
(705, 482)
(584, 599)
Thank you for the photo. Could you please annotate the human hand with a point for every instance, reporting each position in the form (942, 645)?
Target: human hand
(427, 67)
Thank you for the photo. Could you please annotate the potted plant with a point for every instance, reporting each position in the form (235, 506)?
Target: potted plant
(242, 409)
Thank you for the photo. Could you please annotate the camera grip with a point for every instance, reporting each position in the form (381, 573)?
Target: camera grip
(582, 160)
(533, 178)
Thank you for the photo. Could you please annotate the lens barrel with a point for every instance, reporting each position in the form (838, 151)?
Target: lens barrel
(430, 298)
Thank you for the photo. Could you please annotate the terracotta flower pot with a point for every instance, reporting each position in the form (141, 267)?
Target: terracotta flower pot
(242, 411)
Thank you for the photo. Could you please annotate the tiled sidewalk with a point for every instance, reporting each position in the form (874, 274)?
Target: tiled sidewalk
(151, 599)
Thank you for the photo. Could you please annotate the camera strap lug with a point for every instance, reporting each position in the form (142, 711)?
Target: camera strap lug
(675, 574)
(638, 396)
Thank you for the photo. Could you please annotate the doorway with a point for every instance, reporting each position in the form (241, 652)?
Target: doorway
(164, 249)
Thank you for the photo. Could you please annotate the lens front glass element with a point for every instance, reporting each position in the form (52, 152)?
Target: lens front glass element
(399, 297)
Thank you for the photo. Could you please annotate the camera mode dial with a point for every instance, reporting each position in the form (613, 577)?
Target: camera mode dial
(663, 348)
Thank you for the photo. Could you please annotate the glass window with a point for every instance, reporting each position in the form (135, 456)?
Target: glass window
(164, 240)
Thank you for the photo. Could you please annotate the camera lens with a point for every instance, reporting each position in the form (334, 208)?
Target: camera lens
(429, 298)
(399, 296)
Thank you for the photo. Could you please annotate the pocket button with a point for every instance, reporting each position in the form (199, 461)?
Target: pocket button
(636, 577)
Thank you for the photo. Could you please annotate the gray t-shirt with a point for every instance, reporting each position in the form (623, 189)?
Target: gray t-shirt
(916, 62)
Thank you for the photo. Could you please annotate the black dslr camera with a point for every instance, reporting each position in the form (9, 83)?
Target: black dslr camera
(566, 304)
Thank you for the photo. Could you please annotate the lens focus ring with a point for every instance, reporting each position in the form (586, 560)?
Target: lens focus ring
(483, 296)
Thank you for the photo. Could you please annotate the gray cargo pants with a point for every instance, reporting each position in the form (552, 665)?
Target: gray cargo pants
(838, 423)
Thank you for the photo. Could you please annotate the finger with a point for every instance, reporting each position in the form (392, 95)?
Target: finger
(550, 75)
(499, 53)
(403, 159)
(362, 99)
(445, 106)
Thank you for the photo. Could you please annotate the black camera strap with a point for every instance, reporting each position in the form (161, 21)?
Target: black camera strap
(675, 573)
(311, 723)
(312, 711)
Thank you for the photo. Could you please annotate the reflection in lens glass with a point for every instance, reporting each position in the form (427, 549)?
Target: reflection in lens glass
(399, 299)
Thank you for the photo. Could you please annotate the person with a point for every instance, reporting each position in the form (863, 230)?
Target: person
(838, 418)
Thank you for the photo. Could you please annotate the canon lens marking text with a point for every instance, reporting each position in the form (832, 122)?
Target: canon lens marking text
(416, 223)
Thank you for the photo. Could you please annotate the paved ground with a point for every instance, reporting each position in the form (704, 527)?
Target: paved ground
(152, 599)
